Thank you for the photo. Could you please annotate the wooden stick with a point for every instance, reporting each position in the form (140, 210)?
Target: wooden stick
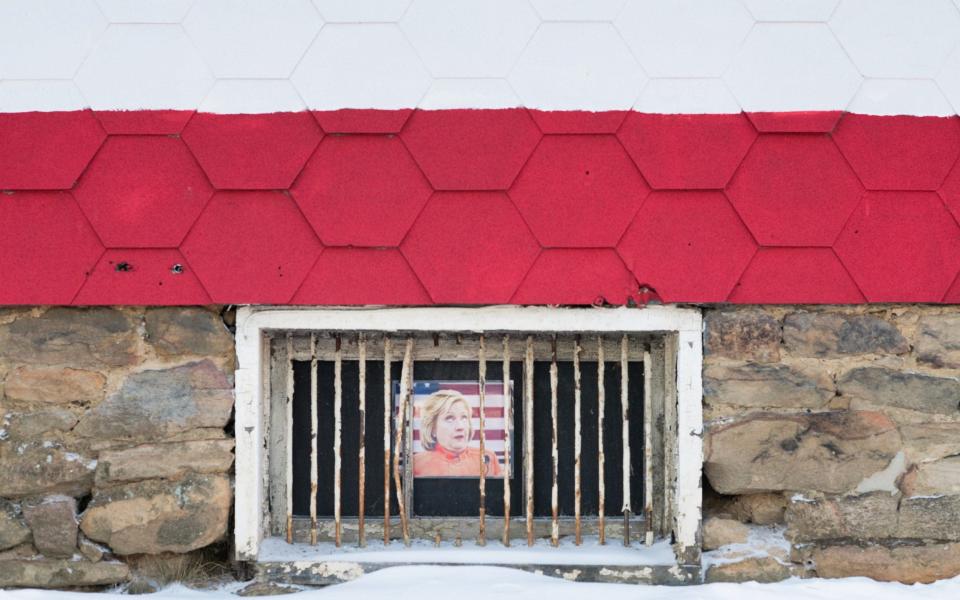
(313, 439)
(601, 458)
(648, 447)
(337, 459)
(362, 455)
(482, 367)
(625, 432)
(554, 451)
(507, 439)
(289, 439)
(387, 411)
(398, 445)
(577, 443)
(528, 435)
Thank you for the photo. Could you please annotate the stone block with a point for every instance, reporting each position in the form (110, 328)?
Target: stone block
(913, 391)
(42, 469)
(762, 385)
(168, 460)
(155, 516)
(831, 335)
(53, 522)
(52, 574)
(930, 517)
(828, 452)
(904, 563)
(80, 338)
(55, 385)
(27, 426)
(13, 529)
(938, 341)
(744, 334)
(158, 403)
(933, 478)
(184, 331)
(760, 569)
(867, 516)
(720, 532)
(929, 441)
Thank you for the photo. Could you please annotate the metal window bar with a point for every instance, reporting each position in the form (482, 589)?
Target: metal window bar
(398, 422)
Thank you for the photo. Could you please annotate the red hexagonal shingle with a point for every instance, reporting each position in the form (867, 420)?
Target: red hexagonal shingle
(687, 246)
(470, 248)
(251, 248)
(794, 190)
(46, 150)
(950, 191)
(143, 122)
(953, 294)
(142, 277)
(471, 149)
(796, 276)
(362, 120)
(46, 250)
(578, 121)
(579, 191)
(252, 151)
(581, 276)
(355, 276)
(361, 191)
(899, 152)
(816, 121)
(687, 151)
(901, 247)
(142, 192)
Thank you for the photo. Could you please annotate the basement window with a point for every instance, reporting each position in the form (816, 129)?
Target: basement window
(503, 425)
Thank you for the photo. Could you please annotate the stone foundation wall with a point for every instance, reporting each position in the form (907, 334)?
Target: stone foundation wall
(835, 426)
(114, 439)
(843, 425)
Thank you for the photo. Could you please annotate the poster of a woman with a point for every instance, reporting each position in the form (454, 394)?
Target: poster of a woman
(446, 430)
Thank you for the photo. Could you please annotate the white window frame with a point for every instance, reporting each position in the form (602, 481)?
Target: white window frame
(253, 364)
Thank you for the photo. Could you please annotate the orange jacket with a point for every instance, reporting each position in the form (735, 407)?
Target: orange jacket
(440, 463)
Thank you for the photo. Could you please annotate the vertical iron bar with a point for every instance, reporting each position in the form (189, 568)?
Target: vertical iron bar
(528, 435)
(337, 424)
(362, 456)
(405, 377)
(601, 458)
(313, 439)
(507, 441)
(289, 439)
(625, 422)
(576, 441)
(387, 411)
(482, 367)
(554, 451)
(648, 447)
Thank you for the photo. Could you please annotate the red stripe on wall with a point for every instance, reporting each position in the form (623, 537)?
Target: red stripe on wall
(477, 206)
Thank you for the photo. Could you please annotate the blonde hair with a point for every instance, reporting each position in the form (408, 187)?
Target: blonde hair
(436, 404)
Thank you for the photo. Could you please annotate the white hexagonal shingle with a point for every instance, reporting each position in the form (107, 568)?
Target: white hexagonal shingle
(251, 96)
(893, 38)
(473, 93)
(919, 97)
(42, 96)
(47, 40)
(577, 66)
(365, 11)
(684, 38)
(578, 10)
(792, 66)
(469, 38)
(686, 96)
(251, 38)
(797, 11)
(145, 11)
(949, 79)
(144, 67)
(361, 66)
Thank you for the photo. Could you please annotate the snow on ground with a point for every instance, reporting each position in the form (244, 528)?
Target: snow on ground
(499, 583)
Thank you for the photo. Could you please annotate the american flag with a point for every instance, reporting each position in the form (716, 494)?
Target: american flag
(494, 421)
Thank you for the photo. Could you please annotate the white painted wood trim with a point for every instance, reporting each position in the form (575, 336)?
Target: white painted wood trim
(251, 400)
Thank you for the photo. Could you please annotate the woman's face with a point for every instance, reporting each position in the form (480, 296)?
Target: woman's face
(453, 428)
